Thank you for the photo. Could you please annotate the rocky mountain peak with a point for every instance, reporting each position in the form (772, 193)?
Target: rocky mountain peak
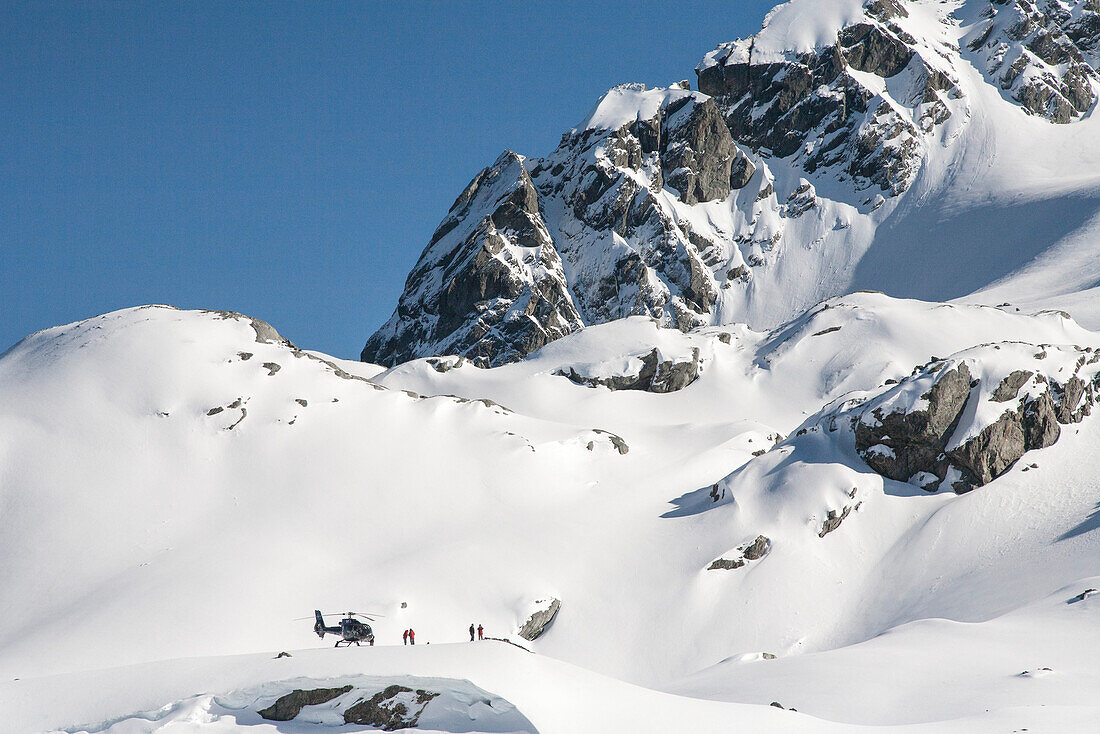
(858, 99)
(749, 199)
(489, 285)
(532, 250)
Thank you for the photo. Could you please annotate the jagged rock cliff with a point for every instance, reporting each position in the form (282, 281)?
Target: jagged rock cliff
(826, 107)
(757, 195)
(534, 249)
(1043, 55)
(489, 285)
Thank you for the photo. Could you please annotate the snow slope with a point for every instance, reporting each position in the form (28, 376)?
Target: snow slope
(737, 492)
(556, 698)
(149, 525)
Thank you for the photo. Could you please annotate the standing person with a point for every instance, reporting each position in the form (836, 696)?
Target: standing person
(480, 632)
(471, 631)
(405, 637)
(412, 636)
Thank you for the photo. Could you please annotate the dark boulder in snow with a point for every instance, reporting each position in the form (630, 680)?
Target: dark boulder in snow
(758, 548)
(290, 705)
(616, 441)
(1082, 596)
(833, 519)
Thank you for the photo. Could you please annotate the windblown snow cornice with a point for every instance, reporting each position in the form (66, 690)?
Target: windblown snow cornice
(749, 200)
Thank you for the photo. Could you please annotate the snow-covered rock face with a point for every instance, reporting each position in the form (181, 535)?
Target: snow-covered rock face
(648, 207)
(489, 285)
(859, 104)
(1042, 53)
(607, 190)
(764, 192)
(533, 250)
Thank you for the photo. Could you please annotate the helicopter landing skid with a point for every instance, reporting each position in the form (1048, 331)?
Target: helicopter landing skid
(346, 642)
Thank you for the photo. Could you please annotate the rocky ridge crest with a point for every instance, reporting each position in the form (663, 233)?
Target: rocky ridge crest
(832, 107)
(1043, 55)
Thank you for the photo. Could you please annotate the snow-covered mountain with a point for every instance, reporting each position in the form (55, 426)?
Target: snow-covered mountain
(842, 139)
(632, 417)
(185, 484)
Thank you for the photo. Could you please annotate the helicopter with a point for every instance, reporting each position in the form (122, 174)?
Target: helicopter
(350, 629)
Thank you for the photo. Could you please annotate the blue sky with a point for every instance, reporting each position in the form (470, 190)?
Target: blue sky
(286, 160)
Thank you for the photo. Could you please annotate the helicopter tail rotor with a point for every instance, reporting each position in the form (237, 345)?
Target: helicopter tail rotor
(319, 625)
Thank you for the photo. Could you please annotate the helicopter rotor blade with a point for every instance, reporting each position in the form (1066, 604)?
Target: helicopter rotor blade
(341, 614)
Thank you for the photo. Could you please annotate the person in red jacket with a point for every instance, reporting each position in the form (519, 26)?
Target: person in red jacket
(412, 636)
(480, 632)
(405, 637)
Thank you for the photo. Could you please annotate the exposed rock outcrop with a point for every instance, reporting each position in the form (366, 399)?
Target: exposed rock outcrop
(963, 422)
(899, 444)
(489, 286)
(289, 706)
(753, 551)
(697, 150)
(265, 332)
(389, 710)
(655, 375)
(1082, 596)
(540, 619)
(811, 107)
(377, 703)
(616, 441)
